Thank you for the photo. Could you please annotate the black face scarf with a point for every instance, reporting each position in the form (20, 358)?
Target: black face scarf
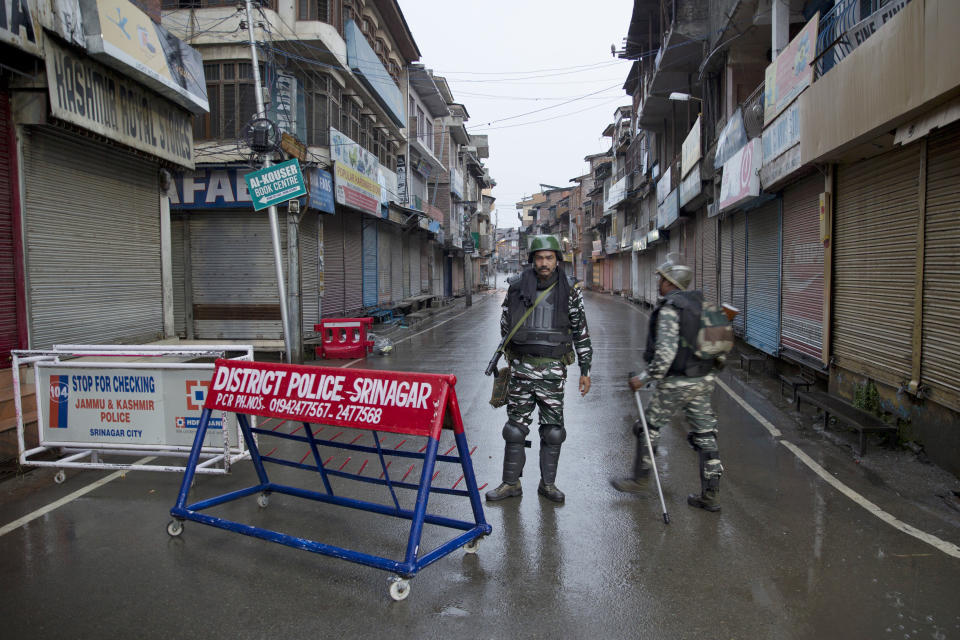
(530, 284)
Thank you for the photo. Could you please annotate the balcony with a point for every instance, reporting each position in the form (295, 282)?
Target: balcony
(848, 25)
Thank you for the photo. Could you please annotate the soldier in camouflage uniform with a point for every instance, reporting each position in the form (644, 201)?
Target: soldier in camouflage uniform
(539, 354)
(685, 382)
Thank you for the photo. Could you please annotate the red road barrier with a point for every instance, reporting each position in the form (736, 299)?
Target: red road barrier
(344, 338)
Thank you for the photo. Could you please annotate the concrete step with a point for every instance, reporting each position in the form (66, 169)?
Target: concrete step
(8, 434)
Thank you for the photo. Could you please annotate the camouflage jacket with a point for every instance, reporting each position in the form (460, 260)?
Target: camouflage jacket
(581, 342)
(666, 346)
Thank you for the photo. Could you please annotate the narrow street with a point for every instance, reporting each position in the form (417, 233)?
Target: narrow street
(789, 556)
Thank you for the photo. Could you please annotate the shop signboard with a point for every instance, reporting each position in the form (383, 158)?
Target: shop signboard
(209, 188)
(691, 186)
(402, 179)
(669, 210)
(345, 151)
(365, 63)
(664, 187)
(731, 139)
(87, 94)
(353, 189)
(740, 176)
(320, 185)
(791, 72)
(121, 36)
(273, 185)
(690, 153)
(17, 26)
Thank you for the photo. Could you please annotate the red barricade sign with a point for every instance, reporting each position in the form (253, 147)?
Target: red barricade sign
(394, 401)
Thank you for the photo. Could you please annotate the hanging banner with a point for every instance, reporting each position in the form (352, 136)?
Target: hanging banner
(690, 151)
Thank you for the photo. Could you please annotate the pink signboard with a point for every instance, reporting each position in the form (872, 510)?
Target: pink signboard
(741, 179)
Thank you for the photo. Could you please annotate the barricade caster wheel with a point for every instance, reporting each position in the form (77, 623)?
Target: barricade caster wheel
(174, 528)
(263, 500)
(399, 589)
(472, 546)
(60, 477)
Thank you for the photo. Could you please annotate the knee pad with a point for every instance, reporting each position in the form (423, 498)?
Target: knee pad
(702, 440)
(513, 433)
(553, 434)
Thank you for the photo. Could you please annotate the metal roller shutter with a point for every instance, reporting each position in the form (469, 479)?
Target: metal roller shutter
(436, 271)
(177, 226)
(9, 334)
(725, 257)
(598, 275)
(739, 270)
(384, 252)
(941, 273)
(763, 277)
(875, 229)
(617, 273)
(425, 275)
(396, 265)
(92, 226)
(310, 272)
(369, 261)
(625, 263)
(234, 280)
(414, 248)
(334, 297)
(353, 264)
(708, 260)
(801, 321)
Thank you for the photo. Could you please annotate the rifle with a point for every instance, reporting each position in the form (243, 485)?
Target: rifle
(492, 365)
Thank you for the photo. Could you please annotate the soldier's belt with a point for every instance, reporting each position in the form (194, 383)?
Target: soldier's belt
(538, 361)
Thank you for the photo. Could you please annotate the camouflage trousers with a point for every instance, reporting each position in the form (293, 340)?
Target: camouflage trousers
(692, 396)
(536, 387)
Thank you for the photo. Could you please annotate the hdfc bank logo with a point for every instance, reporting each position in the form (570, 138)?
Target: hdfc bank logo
(196, 394)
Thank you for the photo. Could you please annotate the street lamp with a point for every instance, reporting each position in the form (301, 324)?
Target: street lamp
(684, 97)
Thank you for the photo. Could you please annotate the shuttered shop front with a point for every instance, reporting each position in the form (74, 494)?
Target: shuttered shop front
(413, 253)
(739, 270)
(385, 239)
(343, 263)
(707, 265)
(875, 230)
(233, 291)
(763, 277)
(801, 322)
(941, 275)
(397, 276)
(369, 261)
(92, 227)
(9, 335)
(725, 257)
(617, 269)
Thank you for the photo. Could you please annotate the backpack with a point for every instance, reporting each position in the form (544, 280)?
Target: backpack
(715, 336)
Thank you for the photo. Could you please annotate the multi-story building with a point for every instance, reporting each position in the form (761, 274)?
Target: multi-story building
(801, 157)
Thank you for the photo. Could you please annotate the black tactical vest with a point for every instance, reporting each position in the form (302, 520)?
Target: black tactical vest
(689, 304)
(542, 333)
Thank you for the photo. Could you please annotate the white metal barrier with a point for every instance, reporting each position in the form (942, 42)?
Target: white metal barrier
(92, 400)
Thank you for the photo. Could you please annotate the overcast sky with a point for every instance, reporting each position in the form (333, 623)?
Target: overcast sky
(504, 58)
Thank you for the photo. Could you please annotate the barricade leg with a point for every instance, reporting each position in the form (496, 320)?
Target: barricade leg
(420, 510)
(317, 459)
(193, 459)
(253, 449)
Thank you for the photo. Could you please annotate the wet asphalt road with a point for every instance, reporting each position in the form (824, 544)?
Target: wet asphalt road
(790, 556)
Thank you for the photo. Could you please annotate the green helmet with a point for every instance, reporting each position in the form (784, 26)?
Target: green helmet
(675, 272)
(544, 243)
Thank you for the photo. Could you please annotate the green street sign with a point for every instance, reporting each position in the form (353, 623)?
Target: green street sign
(275, 184)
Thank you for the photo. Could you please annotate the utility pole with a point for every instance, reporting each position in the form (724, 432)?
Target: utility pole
(272, 211)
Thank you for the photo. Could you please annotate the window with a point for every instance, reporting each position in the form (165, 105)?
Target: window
(232, 98)
(313, 10)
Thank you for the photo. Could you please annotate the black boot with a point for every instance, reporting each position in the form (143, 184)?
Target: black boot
(549, 457)
(514, 458)
(709, 498)
(641, 470)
